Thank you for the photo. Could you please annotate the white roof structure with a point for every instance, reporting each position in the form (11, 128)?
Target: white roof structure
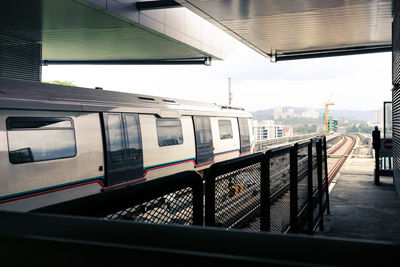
(18, 94)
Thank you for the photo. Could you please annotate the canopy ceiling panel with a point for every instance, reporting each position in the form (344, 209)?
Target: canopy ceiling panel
(109, 30)
(284, 29)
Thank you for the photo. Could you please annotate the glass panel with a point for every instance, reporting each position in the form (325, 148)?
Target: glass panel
(133, 134)
(244, 135)
(204, 143)
(115, 142)
(202, 131)
(388, 124)
(169, 132)
(33, 139)
(225, 129)
(38, 123)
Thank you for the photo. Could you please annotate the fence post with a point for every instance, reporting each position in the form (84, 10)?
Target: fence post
(320, 191)
(293, 189)
(310, 189)
(265, 213)
(209, 198)
(198, 193)
(376, 139)
(326, 177)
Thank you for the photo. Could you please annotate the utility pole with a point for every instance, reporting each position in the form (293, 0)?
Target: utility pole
(229, 91)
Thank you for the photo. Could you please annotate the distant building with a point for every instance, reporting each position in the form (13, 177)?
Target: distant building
(278, 113)
(290, 113)
(287, 131)
(267, 129)
(377, 118)
(310, 114)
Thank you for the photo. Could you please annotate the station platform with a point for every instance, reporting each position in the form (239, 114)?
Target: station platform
(359, 209)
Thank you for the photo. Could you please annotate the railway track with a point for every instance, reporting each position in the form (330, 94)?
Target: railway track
(338, 155)
(279, 186)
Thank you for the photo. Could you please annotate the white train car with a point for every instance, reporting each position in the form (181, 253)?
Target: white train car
(58, 143)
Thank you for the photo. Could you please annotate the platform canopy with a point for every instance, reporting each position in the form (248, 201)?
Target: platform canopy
(104, 31)
(292, 29)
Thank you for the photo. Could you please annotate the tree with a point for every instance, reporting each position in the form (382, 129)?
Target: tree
(304, 129)
(66, 83)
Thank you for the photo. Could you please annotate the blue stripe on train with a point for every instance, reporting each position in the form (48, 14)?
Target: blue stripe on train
(50, 188)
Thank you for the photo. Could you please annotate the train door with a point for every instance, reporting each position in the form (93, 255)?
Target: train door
(134, 152)
(124, 156)
(244, 135)
(204, 143)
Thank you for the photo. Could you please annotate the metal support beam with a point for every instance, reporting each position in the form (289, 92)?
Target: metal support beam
(190, 61)
(331, 53)
(151, 5)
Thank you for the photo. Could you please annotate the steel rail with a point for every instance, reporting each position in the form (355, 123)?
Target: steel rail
(337, 147)
(342, 159)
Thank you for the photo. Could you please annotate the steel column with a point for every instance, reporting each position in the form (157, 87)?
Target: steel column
(320, 191)
(326, 177)
(265, 209)
(310, 192)
(294, 222)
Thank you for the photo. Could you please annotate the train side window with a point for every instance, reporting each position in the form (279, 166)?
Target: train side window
(32, 139)
(225, 129)
(169, 132)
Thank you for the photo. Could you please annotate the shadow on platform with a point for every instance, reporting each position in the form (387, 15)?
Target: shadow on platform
(359, 209)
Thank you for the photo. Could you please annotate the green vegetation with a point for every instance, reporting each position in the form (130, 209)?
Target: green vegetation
(306, 128)
(360, 128)
(298, 121)
(66, 83)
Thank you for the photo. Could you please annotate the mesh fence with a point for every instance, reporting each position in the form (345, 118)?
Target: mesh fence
(279, 184)
(315, 169)
(173, 208)
(232, 195)
(237, 194)
(302, 187)
(324, 196)
(174, 199)
(324, 174)
(315, 182)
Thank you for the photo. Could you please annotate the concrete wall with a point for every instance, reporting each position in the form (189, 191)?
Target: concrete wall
(177, 23)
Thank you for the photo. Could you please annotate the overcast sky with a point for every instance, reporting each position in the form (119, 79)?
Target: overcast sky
(359, 82)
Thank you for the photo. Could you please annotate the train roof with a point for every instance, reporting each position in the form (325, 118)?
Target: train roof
(19, 94)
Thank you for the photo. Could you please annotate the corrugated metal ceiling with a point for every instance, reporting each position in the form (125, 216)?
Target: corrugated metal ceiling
(296, 28)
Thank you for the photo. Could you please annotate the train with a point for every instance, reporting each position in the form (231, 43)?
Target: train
(59, 143)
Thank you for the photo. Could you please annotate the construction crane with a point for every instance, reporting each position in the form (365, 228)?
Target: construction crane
(327, 104)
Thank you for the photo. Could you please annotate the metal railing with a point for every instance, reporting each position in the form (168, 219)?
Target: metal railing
(174, 199)
(264, 145)
(283, 190)
(383, 156)
(233, 190)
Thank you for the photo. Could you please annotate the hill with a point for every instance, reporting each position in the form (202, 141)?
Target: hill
(359, 115)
